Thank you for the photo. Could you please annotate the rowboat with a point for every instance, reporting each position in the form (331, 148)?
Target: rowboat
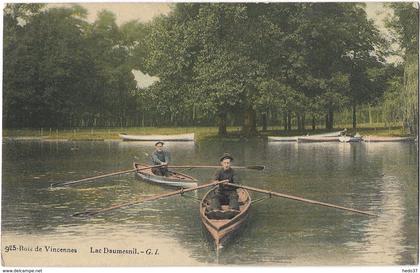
(179, 137)
(296, 138)
(175, 179)
(386, 139)
(318, 139)
(222, 230)
(350, 138)
(283, 139)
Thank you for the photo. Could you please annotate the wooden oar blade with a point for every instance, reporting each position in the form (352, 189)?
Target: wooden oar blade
(256, 167)
(87, 213)
(301, 199)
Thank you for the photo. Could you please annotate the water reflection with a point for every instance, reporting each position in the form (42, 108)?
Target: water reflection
(381, 178)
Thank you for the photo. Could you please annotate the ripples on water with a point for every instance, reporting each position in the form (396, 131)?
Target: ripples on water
(376, 177)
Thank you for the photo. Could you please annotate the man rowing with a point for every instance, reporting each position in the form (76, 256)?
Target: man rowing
(161, 157)
(225, 194)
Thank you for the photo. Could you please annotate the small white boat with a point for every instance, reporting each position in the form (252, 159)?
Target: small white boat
(283, 139)
(355, 138)
(386, 139)
(179, 137)
(296, 138)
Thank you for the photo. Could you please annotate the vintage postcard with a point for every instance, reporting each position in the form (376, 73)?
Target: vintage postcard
(210, 134)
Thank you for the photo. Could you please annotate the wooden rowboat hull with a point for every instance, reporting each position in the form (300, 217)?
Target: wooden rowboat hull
(180, 137)
(221, 231)
(177, 180)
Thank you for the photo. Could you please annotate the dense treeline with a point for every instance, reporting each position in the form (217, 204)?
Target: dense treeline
(217, 63)
(62, 71)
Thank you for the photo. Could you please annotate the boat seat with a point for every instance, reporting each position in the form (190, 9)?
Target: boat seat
(220, 215)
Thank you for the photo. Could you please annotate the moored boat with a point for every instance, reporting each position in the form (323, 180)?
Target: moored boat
(283, 138)
(350, 138)
(175, 179)
(296, 138)
(222, 230)
(318, 139)
(386, 139)
(178, 137)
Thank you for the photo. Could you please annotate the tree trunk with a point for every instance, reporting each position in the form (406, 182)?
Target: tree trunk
(330, 119)
(222, 124)
(329, 122)
(313, 123)
(249, 127)
(289, 121)
(264, 121)
(285, 121)
(303, 122)
(299, 122)
(354, 116)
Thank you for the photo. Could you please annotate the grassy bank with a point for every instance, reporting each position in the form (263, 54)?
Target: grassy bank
(112, 133)
(200, 132)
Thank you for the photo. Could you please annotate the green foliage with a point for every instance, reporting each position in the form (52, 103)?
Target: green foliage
(391, 105)
(62, 71)
(405, 24)
(409, 94)
(232, 62)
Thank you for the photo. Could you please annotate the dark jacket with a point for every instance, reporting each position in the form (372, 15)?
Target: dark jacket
(159, 157)
(230, 175)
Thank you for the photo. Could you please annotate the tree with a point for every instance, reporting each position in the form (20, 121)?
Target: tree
(62, 71)
(49, 79)
(405, 26)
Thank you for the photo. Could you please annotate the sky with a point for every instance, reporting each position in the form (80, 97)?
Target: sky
(145, 12)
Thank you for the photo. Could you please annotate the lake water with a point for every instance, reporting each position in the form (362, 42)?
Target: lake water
(381, 178)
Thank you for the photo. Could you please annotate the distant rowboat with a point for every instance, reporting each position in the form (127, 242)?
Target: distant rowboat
(179, 137)
(296, 138)
(386, 139)
(283, 139)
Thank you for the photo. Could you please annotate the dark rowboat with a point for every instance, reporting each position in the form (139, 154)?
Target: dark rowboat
(175, 179)
(224, 229)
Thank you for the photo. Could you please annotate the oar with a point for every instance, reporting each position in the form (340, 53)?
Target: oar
(58, 184)
(252, 167)
(152, 198)
(271, 193)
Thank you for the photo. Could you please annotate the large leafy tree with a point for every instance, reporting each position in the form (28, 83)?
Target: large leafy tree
(405, 26)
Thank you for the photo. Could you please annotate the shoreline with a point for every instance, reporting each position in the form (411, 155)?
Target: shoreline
(201, 133)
